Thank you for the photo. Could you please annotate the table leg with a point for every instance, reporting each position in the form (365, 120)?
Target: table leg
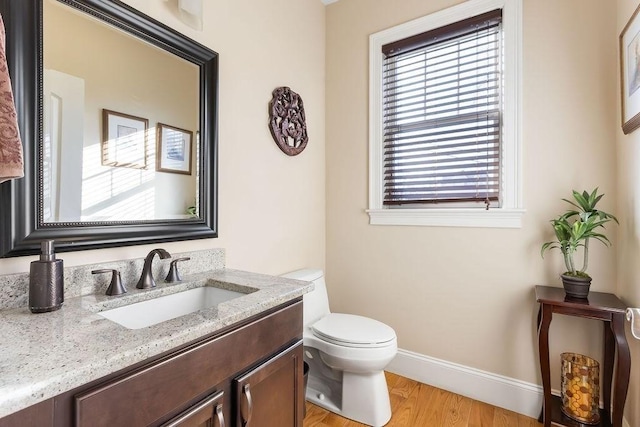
(622, 370)
(544, 320)
(607, 366)
(541, 416)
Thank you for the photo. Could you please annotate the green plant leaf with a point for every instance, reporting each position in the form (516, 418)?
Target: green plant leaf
(569, 214)
(575, 227)
(547, 246)
(572, 203)
(582, 199)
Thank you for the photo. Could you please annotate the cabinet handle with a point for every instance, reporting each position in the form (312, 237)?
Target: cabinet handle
(218, 418)
(247, 405)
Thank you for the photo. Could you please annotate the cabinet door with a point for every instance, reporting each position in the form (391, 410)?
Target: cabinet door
(207, 413)
(271, 395)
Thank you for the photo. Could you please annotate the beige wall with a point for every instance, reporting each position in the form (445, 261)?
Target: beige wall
(629, 214)
(465, 295)
(271, 214)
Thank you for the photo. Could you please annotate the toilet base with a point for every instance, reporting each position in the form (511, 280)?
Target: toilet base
(360, 397)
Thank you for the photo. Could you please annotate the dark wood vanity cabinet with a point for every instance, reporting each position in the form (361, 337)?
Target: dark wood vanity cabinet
(40, 414)
(247, 376)
(271, 394)
(267, 395)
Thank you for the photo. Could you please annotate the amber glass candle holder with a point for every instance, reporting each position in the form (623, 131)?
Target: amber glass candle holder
(580, 388)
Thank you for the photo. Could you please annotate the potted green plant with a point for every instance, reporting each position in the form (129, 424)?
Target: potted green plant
(574, 229)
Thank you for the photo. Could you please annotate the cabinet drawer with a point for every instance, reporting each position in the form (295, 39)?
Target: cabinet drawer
(144, 396)
(207, 413)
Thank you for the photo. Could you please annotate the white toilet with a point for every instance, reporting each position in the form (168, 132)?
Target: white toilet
(346, 355)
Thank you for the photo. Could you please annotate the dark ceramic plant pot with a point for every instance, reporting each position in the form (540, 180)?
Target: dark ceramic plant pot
(576, 287)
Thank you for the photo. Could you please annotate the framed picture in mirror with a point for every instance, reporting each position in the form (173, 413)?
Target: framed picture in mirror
(124, 140)
(173, 149)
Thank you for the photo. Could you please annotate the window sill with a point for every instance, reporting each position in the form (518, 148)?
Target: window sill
(493, 218)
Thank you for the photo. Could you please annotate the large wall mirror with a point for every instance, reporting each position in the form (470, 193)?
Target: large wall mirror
(118, 117)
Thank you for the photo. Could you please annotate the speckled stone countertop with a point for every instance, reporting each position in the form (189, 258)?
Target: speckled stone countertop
(43, 355)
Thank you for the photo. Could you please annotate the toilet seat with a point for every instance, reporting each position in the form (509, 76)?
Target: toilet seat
(350, 330)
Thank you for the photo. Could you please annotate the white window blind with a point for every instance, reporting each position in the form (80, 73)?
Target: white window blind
(442, 114)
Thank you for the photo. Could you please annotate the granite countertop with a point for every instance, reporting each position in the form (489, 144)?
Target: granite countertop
(43, 355)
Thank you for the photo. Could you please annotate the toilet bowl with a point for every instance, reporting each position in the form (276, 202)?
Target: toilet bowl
(347, 355)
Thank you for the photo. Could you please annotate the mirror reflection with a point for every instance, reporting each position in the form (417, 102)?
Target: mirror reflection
(120, 124)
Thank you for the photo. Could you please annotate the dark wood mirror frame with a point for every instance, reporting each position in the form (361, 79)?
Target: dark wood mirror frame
(21, 229)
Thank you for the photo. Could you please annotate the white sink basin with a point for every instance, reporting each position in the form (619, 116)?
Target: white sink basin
(157, 310)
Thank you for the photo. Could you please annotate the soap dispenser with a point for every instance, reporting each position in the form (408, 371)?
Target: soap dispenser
(46, 281)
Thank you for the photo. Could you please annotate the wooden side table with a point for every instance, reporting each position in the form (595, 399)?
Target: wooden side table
(600, 306)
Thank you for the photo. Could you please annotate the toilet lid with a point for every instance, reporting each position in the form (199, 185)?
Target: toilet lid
(352, 330)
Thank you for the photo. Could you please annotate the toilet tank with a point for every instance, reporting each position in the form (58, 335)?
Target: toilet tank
(316, 302)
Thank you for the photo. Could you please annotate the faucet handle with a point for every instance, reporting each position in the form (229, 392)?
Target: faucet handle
(173, 275)
(115, 287)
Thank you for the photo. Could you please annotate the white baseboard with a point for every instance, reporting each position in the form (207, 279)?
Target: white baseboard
(497, 390)
(515, 395)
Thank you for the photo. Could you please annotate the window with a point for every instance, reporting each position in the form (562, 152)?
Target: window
(441, 98)
(444, 140)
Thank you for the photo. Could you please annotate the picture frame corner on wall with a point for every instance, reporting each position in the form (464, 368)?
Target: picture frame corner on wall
(124, 140)
(629, 44)
(174, 147)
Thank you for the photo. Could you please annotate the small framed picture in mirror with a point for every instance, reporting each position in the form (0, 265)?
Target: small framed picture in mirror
(173, 149)
(124, 140)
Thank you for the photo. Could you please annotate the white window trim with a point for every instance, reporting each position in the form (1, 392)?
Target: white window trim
(509, 215)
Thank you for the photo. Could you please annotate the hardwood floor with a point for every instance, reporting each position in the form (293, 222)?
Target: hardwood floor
(414, 404)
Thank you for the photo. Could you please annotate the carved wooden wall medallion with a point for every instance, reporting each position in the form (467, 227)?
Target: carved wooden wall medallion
(287, 121)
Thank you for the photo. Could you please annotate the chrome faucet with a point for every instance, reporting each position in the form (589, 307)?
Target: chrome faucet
(146, 279)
